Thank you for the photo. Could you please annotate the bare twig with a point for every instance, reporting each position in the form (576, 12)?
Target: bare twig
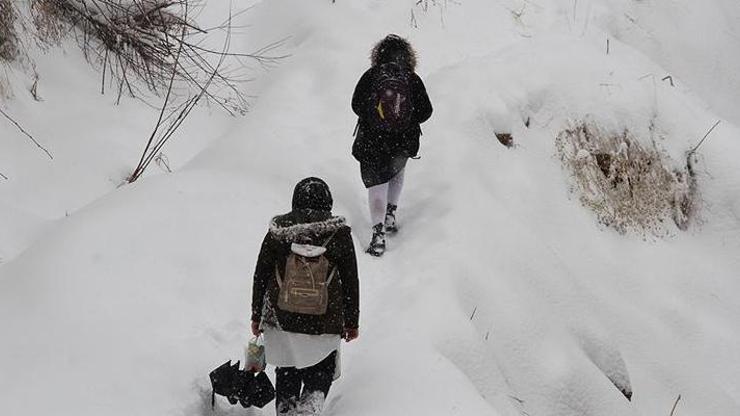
(704, 138)
(138, 39)
(19, 127)
(140, 167)
(473, 314)
(3, 176)
(163, 162)
(177, 116)
(675, 404)
(35, 88)
(516, 399)
(161, 115)
(105, 65)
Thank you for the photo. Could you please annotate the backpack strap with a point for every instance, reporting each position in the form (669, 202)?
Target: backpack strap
(334, 269)
(277, 276)
(331, 276)
(328, 240)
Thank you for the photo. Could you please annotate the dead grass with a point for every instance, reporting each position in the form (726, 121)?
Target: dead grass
(49, 24)
(138, 45)
(8, 37)
(630, 187)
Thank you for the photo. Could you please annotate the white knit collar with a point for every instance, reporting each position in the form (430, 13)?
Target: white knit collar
(303, 231)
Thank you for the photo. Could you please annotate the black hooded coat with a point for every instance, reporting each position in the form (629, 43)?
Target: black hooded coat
(382, 155)
(310, 222)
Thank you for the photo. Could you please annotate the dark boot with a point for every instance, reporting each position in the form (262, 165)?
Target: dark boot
(377, 244)
(390, 219)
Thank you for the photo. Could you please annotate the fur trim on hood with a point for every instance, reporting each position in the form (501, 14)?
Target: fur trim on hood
(305, 232)
(393, 48)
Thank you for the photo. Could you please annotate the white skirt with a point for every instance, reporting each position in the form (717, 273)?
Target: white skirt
(291, 349)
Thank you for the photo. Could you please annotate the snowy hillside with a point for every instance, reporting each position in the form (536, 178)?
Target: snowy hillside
(501, 295)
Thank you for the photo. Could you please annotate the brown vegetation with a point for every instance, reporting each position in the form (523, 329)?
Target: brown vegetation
(145, 40)
(505, 138)
(630, 187)
(144, 49)
(8, 37)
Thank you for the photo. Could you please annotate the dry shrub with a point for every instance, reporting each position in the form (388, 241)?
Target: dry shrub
(130, 39)
(154, 41)
(142, 48)
(50, 27)
(425, 4)
(8, 38)
(630, 187)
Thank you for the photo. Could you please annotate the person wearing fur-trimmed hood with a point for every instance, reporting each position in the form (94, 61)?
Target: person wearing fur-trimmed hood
(391, 102)
(304, 346)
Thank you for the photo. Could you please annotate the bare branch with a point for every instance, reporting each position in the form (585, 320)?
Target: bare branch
(675, 404)
(704, 138)
(140, 167)
(140, 39)
(177, 116)
(22, 130)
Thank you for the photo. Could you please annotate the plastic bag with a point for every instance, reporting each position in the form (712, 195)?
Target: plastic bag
(255, 355)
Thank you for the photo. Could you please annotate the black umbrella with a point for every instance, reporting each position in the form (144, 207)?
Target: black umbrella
(229, 381)
(263, 392)
(241, 386)
(221, 381)
(236, 381)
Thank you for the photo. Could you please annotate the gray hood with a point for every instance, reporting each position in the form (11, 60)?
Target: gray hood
(285, 229)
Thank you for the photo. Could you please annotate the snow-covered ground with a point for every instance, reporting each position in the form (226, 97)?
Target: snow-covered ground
(500, 296)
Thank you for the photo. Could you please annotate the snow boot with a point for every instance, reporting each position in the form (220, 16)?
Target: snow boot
(377, 244)
(390, 219)
(311, 404)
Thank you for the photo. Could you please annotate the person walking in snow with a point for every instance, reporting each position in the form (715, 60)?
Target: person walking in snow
(391, 102)
(305, 298)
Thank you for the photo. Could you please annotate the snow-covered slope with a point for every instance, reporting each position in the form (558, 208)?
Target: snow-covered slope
(500, 296)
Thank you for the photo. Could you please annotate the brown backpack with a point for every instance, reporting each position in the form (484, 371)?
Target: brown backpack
(305, 286)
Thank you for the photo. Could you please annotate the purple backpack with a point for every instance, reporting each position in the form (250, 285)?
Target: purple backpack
(390, 99)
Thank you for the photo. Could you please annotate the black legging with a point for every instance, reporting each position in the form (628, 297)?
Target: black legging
(289, 380)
